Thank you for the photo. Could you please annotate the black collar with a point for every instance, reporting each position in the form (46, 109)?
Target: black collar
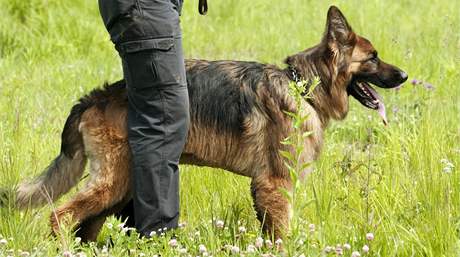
(294, 74)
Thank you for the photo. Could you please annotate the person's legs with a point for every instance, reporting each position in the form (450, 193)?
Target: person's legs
(147, 36)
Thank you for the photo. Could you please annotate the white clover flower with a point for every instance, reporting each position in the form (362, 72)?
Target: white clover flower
(278, 241)
(202, 248)
(328, 249)
(259, 242)
(219, 224)
(152, 234)
(347, 246)
(3, 242)
(141, 254)
(235, 249)
(242, 229)
(355, 254)
(251, 249)
(24, 254)
(365, 248)
(67, 254)
(268, 243)
(80, 254)
(370, 236)
(173, 243)
(338, 249)
(183, 250)
(312, 227)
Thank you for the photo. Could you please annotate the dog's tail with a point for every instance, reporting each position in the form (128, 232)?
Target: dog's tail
(64, 171)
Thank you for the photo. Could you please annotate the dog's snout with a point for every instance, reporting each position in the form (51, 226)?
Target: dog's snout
(403, 76)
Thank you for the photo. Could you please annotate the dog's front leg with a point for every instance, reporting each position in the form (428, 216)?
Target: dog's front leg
(273, 209)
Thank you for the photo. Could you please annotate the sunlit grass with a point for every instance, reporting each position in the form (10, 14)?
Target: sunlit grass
(390, 181)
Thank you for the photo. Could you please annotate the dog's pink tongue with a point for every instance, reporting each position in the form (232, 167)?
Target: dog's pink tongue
(381, 109)
(382, 112)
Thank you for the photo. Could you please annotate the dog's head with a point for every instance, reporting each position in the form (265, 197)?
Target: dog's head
(347, 64)
(359, 59)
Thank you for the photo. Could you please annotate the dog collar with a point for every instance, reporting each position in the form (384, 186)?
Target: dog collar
(295, 76)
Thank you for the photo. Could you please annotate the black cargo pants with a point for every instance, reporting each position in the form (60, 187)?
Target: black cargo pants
(147, 35)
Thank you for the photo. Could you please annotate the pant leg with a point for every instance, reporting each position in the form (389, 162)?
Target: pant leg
(158, 115)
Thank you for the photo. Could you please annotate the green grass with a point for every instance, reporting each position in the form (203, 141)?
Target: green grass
(370, 178)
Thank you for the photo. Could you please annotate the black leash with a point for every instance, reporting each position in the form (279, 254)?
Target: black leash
(202, 7)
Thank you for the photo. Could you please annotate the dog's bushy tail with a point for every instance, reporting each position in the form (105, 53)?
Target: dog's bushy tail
(64, 171)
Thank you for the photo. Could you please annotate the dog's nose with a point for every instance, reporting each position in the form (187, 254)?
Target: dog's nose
(403, 76)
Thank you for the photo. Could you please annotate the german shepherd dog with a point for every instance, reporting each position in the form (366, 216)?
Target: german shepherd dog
(238, 119)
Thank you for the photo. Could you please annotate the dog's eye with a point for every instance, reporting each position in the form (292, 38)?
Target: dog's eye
(374, 59)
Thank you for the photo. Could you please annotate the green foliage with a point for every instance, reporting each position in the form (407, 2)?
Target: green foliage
(390, 181)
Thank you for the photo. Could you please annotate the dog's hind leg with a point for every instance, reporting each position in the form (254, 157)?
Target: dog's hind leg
(88, 229)
(109, 183)
(271, 206)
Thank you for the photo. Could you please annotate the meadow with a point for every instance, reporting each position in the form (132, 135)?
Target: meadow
(394, 189)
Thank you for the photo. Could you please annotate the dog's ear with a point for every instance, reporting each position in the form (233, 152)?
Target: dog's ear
(338, 32)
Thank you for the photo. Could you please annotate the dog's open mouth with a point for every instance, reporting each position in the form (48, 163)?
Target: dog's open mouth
(367, 96)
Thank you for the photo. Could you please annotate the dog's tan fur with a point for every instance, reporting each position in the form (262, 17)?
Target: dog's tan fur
(251, 152)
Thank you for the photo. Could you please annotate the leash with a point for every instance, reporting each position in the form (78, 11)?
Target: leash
(202, 7)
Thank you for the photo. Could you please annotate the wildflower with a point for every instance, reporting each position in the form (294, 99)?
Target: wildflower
(173, 243)
(415, 82)
(428, 86)
(141, 254)
(202, 249)
(347, 246)
(448, 166)
(242, 229)
(77, 240)
(67, 254)
(24, 254)
(219, 224)
(152, 234)
(251, 249)
(235, 249)
(355, 254)
(3, 242)
(328, 249)
(300, 242)
(183, 250)
(338, 250)
(365, 249)
(311, 227)
(268, 243)
(278, 241)
(259, 242)
(370, 236)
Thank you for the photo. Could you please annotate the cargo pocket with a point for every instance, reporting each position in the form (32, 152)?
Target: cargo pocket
(153, 63)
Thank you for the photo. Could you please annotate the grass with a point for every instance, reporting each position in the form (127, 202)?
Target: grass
(390, 181)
